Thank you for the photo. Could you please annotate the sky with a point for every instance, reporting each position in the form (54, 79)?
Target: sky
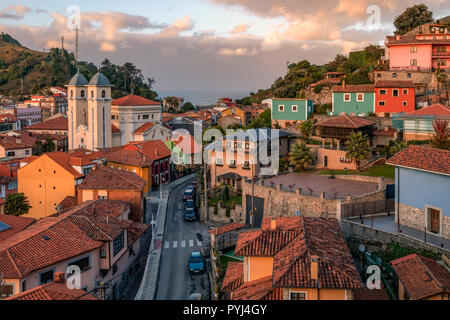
(207, 44)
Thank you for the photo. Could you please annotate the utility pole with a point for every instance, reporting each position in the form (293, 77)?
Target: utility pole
(62, 45)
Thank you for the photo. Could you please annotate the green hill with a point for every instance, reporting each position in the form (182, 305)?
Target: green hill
(40, 70)
(301, 74)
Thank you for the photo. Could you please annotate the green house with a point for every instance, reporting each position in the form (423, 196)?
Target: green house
(357, 100)
(288, 111)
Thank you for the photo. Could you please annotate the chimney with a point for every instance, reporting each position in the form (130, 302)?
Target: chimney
(314, 267)
(156, 152)
(343, 83)
(18, 140)
(59, 277)
(397, 37)
(273, 223)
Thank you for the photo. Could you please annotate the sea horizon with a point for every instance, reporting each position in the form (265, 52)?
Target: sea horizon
(203, 97)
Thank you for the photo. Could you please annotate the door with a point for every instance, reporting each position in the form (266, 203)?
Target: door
(435, 220)
(325, 161)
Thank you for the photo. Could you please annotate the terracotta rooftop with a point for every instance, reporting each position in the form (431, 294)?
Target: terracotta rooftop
(114, 129)
(394, 84)
(260, 289)
(385, 133)
(422, 277)
(107, 178)
(53, 291)
(227, 228)
(346, 121)
(234, 276)
(58, 123)
(412, 39)
(22, 142)
(134, 100)
(63, 159)
(67, 203)
(435, 109)
(423, 158)
(293, 243)
(140, 154)
(355, 88)
(12, 225)
(144, 127)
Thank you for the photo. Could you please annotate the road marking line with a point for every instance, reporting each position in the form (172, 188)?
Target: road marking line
(166, 245)
(183, 243)
(199, 243)
(191, 243)
(174, 244)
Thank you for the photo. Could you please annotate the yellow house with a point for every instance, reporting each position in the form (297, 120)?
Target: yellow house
(421, 278)
(46, 181)
(235, 111)
(292, 258)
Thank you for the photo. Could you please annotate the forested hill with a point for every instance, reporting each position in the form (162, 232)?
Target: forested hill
(356, 67)
(41, 70)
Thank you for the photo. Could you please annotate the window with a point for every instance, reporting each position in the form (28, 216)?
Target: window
(413, 49)
(405, 91)
(298, 295)
(294, 108)
(24, 285)
(281, 108)
(219, 162)
(86, 171)
(71, 93)
(232, 163)
(92, 94)
(383, 92)
(359, 97)
(82, 93)
(347, 97)
(405, 103)
(27, 152)
(46, 277)
(10, 154)
(103, 254)
(247, 145)
(145, 117)
(413, 62)
(381, 103)
(378, 75)
(394, 75)
(408, 75)
(83, 263)
(118, 244)
(12, 185)
(395, 93)
(103, 94)
(246, 165)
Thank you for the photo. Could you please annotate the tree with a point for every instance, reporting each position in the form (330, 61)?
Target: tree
(411, 18)
(48, 145)
(441, 137)
(397, 146)
(306, 129)
(358, 148)
(17, 204)
(264, 120)
(187, 107)
(300, 156)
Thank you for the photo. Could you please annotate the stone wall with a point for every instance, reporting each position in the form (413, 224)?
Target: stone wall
(236, 215)
(282, 202)
(417, 219)
(324, 97)
(375, 240)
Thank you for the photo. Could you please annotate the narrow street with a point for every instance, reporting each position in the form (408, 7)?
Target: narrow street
(180, 240)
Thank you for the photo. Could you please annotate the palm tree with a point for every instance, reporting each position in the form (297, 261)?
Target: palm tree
(300, 156)
(306, 129)
(358, 148)
(397, 146)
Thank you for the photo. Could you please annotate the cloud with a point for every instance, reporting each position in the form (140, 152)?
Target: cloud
(237, 52)
(14, 12)
(240, 28)
(183, 24)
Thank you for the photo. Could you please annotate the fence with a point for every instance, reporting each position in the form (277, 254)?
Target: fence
(359, 209)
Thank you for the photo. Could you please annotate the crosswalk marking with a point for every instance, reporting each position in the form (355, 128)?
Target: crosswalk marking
(167, 245)
(174, 244)
(183, 243)
(191, 243)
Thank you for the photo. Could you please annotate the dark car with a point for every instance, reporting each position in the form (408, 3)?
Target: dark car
(189, 211)
(188, 193)
(194, 184)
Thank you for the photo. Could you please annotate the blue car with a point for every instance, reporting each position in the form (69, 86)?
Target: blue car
(189, 211)
(196, 263)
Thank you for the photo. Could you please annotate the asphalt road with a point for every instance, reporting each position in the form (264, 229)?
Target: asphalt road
(180, 239)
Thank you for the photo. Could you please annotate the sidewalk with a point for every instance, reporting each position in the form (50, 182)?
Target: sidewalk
(387, 223)
(148, 287)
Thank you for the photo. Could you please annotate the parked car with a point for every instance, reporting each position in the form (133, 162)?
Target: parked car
(195, 296)
(195, 184)
(189, 210)
(196, 263)
(188, 193)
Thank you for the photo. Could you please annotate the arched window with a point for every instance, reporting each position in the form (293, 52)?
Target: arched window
(71, 93)
(82, 93)
(92, 94)
(103, 94)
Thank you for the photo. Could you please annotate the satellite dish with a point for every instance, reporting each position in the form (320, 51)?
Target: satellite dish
(362, 247)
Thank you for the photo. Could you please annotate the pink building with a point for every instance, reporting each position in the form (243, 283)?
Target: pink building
(423, 51)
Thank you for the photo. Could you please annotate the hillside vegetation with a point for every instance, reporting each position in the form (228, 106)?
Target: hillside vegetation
(40, 70)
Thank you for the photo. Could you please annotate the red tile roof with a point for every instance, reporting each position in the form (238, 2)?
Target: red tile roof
(114, 129)
(346, 121)
(186, 143)
(421, 277)
(53, 291)
(58, 123)
(355, 88)
(412, 39)
(67, 203)
(435, 109)
(394, 84)
(227, 228)
(107, 178)
(63, 159)
(260, 289)
(140, 154)
(22, 142)
(17, 224)
(234, 276)
(134, 100)
(423, 158)
(390, 132)
(144, 127)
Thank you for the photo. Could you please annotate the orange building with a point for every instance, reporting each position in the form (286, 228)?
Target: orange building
(293, 258)
(244, 116)
(47, 180)
(421, 278)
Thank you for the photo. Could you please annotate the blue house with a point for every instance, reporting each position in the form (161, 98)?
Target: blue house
(422, 182)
